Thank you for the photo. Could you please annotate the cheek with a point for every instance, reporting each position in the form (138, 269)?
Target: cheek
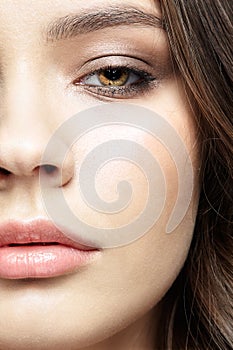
(139, 175)
(155, 171)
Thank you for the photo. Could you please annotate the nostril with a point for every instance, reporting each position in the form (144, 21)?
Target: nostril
(49, 169)
(4, 172)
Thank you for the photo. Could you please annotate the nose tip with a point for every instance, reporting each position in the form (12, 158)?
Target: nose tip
(26, 160)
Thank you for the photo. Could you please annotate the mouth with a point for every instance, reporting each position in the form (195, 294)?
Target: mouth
(37, 249)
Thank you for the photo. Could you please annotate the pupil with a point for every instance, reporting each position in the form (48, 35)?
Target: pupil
(113, 74)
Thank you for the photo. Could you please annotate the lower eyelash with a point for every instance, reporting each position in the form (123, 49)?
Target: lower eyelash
(127, 91)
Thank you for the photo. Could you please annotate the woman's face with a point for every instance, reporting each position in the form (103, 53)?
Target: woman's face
(50, 72)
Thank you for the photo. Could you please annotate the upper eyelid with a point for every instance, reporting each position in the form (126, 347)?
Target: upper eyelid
(119, 55)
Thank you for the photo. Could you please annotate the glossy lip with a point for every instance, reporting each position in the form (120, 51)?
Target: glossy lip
(35, 231)
(53, 254)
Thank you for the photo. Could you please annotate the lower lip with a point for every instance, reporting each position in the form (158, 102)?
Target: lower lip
(42, 261)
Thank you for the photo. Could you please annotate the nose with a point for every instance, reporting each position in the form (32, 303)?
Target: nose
(25, 129)
(21, 156)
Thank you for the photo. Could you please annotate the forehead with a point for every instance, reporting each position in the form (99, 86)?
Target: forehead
(31, 12)
(27, 21)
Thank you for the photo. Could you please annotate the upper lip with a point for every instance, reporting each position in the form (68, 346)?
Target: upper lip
(35, 231)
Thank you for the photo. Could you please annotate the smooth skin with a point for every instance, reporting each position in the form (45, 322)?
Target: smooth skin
(115, 301)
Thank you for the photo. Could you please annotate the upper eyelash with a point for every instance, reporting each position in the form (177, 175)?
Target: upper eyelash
(146, 83)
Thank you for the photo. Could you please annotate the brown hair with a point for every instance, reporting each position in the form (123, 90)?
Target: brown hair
(198, 309)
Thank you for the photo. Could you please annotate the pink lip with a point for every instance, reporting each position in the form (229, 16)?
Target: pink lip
(49, 254)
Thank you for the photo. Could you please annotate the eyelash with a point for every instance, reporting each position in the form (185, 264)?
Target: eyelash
(146, 83)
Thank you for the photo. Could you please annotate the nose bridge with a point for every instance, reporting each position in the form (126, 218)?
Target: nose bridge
(21, 92)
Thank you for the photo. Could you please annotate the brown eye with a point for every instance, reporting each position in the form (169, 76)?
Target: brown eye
(113, 77)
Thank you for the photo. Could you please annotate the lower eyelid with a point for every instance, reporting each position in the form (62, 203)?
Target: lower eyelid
(127, 92)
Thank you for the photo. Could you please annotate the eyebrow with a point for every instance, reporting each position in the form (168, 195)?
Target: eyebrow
(76, 24)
